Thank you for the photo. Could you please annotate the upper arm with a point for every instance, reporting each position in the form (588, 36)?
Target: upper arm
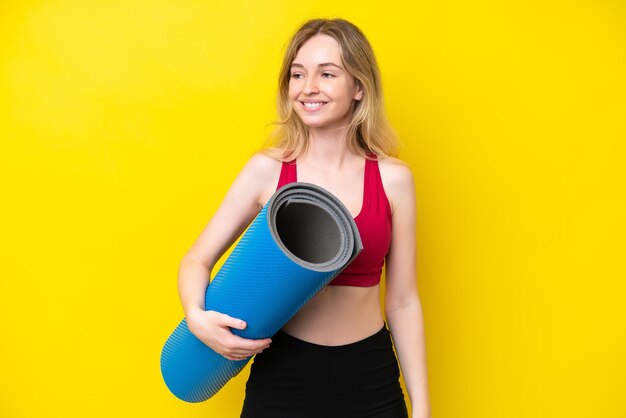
(238, 208)
(400, 263)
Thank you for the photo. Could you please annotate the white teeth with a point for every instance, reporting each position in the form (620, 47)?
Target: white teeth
(313, 105)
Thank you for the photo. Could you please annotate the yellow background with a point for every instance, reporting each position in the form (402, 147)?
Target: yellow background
(123, 123)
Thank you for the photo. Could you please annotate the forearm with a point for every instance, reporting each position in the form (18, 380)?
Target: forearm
(193, 279)
(407, 328)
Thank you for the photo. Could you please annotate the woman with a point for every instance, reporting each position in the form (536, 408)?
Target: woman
(335, 356)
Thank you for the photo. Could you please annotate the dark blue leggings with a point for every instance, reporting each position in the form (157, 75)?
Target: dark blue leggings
(297, 379)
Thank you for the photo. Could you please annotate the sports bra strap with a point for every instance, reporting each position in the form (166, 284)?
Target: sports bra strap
(287, 173)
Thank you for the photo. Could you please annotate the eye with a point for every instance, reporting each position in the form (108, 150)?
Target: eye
(330, 74)
(294, 75)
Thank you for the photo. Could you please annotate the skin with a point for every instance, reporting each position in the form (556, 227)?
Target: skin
(337, 315)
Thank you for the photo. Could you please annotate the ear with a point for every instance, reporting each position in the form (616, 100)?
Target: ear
(359, 91)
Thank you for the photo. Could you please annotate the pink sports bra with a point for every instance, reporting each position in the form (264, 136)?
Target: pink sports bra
(373, 222)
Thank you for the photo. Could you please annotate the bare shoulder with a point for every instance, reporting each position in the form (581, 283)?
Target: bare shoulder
(265, 171)
(397, 178)
(262, 164)
(395, 174)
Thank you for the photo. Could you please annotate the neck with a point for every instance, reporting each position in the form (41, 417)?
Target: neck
(328, 147)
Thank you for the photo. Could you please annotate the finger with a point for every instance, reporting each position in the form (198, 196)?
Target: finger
(248, 344)
(236, 357)
(235, 343)
(239, 351)
(245, 353)
(231, 322)
(238, 346)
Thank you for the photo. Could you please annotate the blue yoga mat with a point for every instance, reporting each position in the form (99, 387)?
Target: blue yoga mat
(301, 239)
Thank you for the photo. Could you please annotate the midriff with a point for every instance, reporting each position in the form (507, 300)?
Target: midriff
(338, 315)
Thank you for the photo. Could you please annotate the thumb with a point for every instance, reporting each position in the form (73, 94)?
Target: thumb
(234, 322)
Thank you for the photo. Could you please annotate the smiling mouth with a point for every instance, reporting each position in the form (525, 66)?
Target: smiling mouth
(311, 107)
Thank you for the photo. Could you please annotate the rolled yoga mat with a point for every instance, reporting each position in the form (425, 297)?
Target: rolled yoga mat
(301, 239)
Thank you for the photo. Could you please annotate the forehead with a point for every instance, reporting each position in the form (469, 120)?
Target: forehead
(320, 48)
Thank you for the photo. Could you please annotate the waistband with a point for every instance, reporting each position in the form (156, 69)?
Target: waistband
(381, 336)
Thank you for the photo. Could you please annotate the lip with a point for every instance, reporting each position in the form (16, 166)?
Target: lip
(312, 101)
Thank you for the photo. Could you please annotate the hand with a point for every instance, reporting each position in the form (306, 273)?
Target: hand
(213, 329)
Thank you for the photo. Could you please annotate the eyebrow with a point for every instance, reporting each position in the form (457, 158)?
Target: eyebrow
(324, 64)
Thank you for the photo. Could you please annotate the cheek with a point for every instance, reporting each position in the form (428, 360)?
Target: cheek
(339, 92)
(293, 92)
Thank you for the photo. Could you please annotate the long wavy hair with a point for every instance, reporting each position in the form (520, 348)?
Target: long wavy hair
(369, 130)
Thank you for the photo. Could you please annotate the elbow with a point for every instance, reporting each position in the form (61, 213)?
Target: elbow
(402, 302)
(192, 259)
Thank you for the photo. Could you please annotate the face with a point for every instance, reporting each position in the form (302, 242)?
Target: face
(319, 79)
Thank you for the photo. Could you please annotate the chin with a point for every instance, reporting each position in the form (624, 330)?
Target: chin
(315, 124)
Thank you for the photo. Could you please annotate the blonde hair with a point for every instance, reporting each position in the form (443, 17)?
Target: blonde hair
(369, 130)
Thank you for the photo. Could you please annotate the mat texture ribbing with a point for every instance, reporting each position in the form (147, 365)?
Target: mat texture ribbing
(301, 239)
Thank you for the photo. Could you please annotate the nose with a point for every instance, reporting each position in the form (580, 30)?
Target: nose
(310, 85)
